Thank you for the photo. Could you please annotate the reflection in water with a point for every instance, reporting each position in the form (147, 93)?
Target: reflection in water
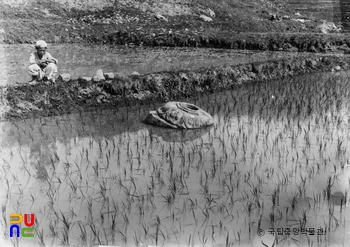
(41, 157)
(176, 135)
(106, 178)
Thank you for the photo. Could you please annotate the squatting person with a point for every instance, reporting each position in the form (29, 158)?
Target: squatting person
(43, 67)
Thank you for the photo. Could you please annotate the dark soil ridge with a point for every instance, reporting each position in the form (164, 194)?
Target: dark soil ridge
(40, 100)
(238, 25)
(294, 42)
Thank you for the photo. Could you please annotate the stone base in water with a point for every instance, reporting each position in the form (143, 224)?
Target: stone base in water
(179, 115)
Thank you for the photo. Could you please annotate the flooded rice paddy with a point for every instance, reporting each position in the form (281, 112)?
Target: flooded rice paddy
(271, 171)
(79, 60)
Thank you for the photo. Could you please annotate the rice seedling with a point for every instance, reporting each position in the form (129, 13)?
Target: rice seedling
(263, 155)
(64, 237)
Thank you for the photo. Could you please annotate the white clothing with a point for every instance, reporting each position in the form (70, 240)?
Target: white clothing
(49, 71)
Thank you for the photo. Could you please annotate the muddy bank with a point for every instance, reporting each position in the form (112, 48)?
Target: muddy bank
(234, 25)
(25, 101)
(294, 42)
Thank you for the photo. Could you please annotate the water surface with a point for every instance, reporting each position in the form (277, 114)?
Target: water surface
(272, 160)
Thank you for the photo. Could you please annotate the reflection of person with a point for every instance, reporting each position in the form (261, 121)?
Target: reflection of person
(42, 65)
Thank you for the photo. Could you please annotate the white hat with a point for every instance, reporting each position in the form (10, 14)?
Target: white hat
(40, 44)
